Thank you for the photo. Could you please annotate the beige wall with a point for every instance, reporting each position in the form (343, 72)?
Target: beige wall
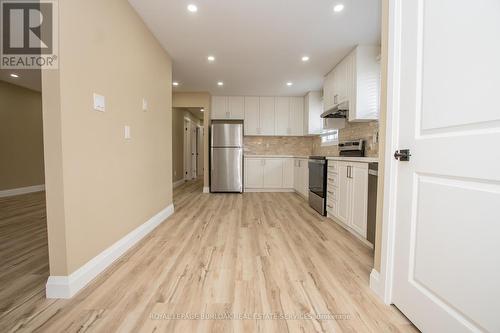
(197, 99)
(21, 137)
(99, 185)
(382, 135)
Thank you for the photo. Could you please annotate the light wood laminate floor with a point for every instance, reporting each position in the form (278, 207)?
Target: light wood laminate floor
(263, 257)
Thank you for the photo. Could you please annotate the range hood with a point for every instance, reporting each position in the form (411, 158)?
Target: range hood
(338, 111)
(335, 118)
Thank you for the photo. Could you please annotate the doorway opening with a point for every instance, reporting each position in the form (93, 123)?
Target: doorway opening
(24, 258)
(187, 151)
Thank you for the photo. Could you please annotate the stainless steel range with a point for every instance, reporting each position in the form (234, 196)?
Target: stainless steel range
(317, 183)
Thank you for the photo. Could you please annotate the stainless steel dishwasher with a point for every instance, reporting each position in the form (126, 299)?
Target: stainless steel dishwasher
(372, 202)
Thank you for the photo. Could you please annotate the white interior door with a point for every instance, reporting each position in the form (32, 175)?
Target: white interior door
(446, 256)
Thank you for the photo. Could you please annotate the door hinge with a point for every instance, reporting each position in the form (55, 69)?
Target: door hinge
(402, 155)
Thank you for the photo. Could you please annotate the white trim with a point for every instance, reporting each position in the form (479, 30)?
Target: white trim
(68, 286)
(206, 189)
(385, 278)
(269, 190)
(178, 183)
(375, 283)
(22, 190)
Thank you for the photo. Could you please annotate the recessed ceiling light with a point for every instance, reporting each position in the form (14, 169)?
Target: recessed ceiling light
(14, 75)
(220, 83)
(192, 8)
(289, 84)
(338, 8)
(305, 58)
(211, 58)
(175, 83)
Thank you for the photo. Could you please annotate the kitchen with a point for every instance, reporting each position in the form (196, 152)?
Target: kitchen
(322, 146)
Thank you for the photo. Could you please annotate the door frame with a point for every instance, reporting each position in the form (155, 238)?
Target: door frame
(186, 147)
(382, 282)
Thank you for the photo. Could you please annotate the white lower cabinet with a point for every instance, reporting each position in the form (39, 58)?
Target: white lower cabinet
(280, 174)
(288, 173)
(273, 173)
(301, 177)
(254, 173)
(347, 194)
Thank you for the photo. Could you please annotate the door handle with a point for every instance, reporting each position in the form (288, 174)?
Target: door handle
(402, 155)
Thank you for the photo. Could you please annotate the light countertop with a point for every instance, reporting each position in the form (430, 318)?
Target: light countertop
(354, 159)
(275, 156)
(333, 158)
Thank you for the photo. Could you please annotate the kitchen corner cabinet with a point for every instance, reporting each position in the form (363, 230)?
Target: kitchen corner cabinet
(355, 80)
(228, 107)
(347, 194)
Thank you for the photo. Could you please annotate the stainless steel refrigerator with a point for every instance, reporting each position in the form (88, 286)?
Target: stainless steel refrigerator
(226, 156)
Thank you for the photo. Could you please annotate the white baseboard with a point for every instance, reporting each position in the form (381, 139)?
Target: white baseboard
(206, 189)
(22, 190)
(375, 283)
(178, 183)
(68, 286)
(270, 190)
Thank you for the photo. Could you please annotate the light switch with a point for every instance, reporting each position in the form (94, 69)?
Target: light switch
(128, 136)
(99, 103)
(144, 104)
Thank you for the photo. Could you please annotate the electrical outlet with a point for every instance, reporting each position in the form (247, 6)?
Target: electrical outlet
(144, 104)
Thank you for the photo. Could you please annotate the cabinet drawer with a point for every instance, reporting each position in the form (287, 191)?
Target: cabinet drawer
(333, 167)
(332, 180)
(331, 207)
(332, 194)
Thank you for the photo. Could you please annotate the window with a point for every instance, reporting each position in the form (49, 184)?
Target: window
(330, 138)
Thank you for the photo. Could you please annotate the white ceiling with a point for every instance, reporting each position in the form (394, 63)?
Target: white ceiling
(258, 44)
(28, 78)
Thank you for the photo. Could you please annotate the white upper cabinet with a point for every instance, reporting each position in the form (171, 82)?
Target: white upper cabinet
(252, 116)
(296, 116)
(236, 107)
(228, 107)
(313, 107)
(267, 115)
(356, 80)
(282, 114)
(219, 107)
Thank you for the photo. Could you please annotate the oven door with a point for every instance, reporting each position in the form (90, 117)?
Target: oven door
(317, 177)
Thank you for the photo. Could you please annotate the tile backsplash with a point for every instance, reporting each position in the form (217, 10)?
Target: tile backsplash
(311, 145)
(278, 145)
(353, 131)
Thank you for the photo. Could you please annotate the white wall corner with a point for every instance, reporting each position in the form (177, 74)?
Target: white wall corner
(21, 190)
(68, 286)
(206, 189)
(375, 284)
